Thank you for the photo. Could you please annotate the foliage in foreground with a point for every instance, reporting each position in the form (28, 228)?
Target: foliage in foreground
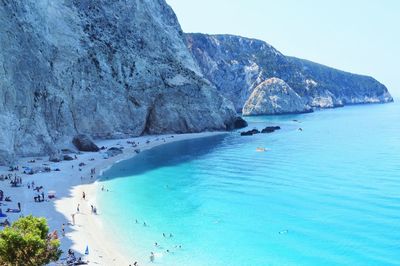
(27, 243)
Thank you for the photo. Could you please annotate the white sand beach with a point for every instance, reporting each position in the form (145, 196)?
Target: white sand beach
(69, 184)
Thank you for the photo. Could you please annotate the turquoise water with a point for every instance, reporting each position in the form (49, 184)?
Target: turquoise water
(327, 195)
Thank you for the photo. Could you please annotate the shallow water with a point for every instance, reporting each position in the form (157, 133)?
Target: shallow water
(327, 195)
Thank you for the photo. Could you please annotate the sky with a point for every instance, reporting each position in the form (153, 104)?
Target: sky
(357, 36)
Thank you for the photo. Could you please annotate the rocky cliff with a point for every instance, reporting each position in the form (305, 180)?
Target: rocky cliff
(274, 96)
(237, 65)
(103, 68)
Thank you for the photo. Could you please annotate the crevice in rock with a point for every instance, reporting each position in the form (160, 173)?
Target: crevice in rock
(147, 125)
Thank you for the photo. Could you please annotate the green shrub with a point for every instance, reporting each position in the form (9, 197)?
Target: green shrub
(27, 243)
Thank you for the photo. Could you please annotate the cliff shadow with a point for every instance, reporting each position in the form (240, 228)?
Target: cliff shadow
(170, 154)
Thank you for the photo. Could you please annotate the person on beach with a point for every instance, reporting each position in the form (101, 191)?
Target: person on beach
(91, 206)
(151, 257)
(83, 195)
(73, 218)
(77, 208)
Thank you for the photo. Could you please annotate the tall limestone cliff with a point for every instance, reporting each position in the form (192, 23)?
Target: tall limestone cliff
(103, 68)
(272, 97)
(238, 65)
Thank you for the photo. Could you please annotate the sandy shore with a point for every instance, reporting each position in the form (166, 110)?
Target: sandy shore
(70, 183)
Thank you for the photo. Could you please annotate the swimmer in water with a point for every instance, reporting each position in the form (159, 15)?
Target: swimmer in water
(144, 224)
(151, 257)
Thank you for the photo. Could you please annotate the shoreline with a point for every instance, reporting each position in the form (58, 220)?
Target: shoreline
(69, 185)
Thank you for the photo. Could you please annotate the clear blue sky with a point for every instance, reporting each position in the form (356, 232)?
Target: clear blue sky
(357, 36)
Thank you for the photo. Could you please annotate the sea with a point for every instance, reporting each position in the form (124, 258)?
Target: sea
(322, 190)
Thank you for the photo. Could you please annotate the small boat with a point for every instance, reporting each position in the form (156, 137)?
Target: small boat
(261, 149)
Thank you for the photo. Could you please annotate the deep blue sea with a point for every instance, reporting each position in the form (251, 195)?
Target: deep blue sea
(327, 195)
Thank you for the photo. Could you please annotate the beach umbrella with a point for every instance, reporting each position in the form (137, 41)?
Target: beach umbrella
(87, 250)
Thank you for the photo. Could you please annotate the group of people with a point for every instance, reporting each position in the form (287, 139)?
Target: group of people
(39, 196)
(13, 168)
(72, 260)
(152, 255)
(133, 143)
(16, 181)
(6, 177)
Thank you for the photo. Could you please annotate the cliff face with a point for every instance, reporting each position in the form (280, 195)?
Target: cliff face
(237, 65)
(274, 96)
(103, 68)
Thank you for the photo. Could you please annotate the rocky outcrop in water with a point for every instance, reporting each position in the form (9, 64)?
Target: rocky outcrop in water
(240, 123)
(238, 65)
(270, 129)
(274, 96)
(250, 132)
(103, 68)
